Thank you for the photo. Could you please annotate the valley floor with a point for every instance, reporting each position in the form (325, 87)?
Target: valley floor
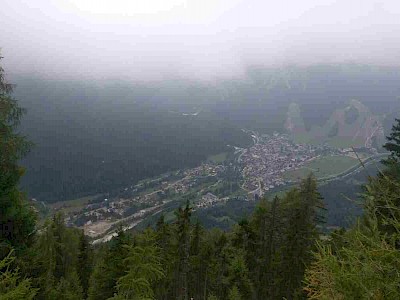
(272, 164)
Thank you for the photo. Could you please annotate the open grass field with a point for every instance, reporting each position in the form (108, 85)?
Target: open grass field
(72, 205)
(337, 141)
(323, 167)
(302, 138)
(307, 138)
(169, 216)
(346, 142)
(218, 158)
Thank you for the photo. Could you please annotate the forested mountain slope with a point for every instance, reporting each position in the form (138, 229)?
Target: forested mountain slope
(92, 137)
(278, 252)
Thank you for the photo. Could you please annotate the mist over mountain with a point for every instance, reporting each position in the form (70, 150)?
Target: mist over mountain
(92, 137)
(214, 39)
(186, 149)
(95, 139)
(119, 92)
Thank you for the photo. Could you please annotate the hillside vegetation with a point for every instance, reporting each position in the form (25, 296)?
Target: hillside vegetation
(352, 126)
(323, 167)
(278, 252)
(97, 137)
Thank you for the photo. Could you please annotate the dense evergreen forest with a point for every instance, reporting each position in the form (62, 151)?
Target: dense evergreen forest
(276, 253)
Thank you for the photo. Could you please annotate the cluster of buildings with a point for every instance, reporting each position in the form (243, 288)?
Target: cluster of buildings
(95, 218)
(209, 200)
(266, 161)
(205, 170)
(193, 175)
(261, 166)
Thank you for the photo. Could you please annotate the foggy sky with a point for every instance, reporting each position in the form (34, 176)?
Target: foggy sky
(202, 39)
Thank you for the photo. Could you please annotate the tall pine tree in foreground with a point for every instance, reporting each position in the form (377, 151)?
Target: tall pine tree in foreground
(12, 286)
(393, 145)
(183, 224)
(56, 261)
(363, 262)
(109, 267)
(303, 216)
(85, 262)
(144, 269)
(17, 219)
(381, 192)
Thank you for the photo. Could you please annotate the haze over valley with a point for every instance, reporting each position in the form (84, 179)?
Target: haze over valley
(99, 140)
(215, 149)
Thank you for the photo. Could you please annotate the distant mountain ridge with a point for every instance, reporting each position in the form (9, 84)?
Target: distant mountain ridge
(93, 137)
(354, 125)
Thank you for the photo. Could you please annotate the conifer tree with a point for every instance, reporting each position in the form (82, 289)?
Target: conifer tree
(220, 264)
(109, 268)
(196, 263)
(267, 223)
(260, 224)
(362, 263)
(144, 268)
(382, 202)
(303, 216)
(234, 294)
(245, 237)
(393, 145)
(84, 263)
(183, 233)
(17, 219)
(12, 287)
(381, 192)
(67, 288)
(238, 276)
(56, 261)
(272, 253)
(166, 242)
(366, 267)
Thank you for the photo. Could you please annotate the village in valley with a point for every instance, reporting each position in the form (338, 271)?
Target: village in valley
(265, 164)
(245, 175)
(131, 205)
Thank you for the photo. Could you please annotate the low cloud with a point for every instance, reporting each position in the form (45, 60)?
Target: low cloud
(152, 40)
